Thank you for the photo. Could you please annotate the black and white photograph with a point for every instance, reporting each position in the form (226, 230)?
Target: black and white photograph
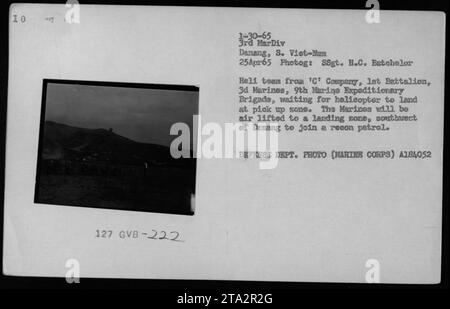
(108, 146)
(224, 151)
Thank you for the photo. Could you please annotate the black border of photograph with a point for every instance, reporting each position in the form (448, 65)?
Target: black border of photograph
(99, 168)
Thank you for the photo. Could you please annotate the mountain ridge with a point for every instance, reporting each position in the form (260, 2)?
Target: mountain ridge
(62, 141)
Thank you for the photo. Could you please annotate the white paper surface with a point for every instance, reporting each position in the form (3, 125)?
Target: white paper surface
(305, 220)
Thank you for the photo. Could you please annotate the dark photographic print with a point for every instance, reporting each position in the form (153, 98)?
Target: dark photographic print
(107, 145)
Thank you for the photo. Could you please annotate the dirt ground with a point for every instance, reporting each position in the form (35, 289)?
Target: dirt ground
(165, 190)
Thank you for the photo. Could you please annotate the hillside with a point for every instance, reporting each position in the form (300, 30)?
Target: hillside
(66, 142)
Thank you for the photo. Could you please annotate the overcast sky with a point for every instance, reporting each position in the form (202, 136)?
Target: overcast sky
(143, 115)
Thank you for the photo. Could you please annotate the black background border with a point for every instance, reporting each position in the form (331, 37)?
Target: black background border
(178, 287)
